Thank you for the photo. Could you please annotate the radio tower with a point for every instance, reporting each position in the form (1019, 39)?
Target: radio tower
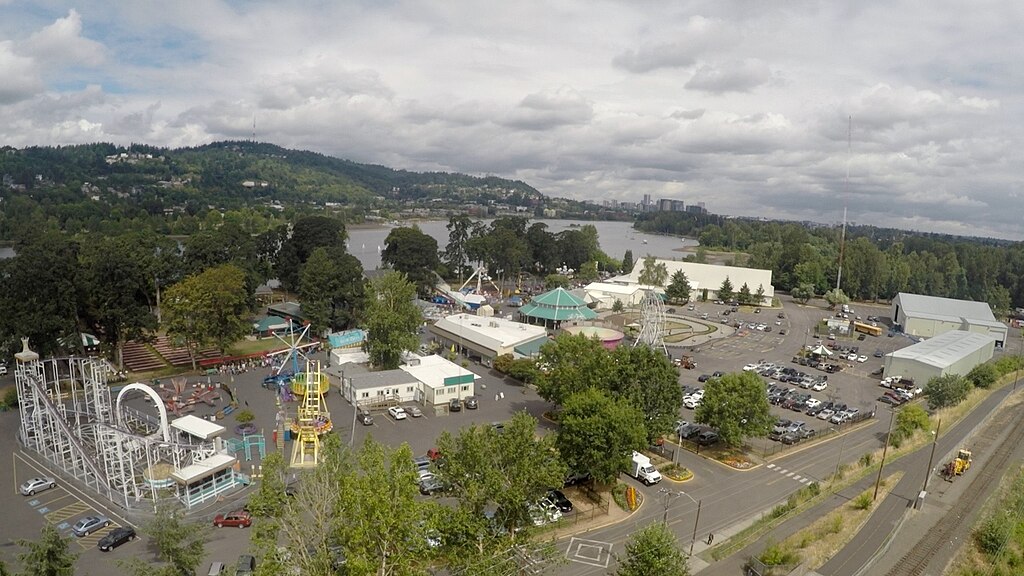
(253, 127)
(846, 191)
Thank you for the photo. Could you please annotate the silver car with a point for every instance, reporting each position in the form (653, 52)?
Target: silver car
(30, 487)
(90, 524)
(413, 411)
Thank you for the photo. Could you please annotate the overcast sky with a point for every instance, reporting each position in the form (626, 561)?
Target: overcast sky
(742, 105)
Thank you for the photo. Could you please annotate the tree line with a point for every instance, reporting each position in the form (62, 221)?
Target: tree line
(877, 263)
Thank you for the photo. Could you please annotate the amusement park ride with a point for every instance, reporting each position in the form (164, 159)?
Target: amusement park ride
(123, 454)
(312, 420)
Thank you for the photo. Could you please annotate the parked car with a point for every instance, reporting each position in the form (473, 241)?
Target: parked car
(454, 405)
(236, 518)
(38, 484)
(364, 418)
(89, 524)
(689, 432)
(559, 500)
(413, 411)
(116, 537)
(704, 378)
(707, 438)
(397, 412)
(471, 403)
(246, 565)
(826, 414)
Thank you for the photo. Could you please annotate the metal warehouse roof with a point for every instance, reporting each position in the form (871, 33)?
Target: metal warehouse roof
(945, 349)
(933, 307)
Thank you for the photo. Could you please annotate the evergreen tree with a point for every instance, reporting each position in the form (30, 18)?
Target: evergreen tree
(725, 290)
(678, 290)
(49, 556)
(627, 262)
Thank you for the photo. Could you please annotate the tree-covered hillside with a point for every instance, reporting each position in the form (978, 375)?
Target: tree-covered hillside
(98, 186)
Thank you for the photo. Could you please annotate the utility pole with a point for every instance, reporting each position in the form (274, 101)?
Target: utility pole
(931, 459)
(878, 481)
(696, 519)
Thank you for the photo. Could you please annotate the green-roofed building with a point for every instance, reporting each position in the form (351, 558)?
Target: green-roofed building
(552, 308)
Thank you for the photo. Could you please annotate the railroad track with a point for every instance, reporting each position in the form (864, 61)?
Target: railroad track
(917, 560)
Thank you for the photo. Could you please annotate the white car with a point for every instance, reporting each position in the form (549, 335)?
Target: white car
(819, 386)
(397, 412)
(750, 367)
(862, 358)
(813, 403)
(852, 357)
(30, 487)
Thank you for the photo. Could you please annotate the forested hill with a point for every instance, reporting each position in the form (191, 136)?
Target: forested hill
(233, 173)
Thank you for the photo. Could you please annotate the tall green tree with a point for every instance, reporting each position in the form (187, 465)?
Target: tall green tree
(836, 297)
(678, 290)
(650, 382)
(654, 273)
(803, 293)
(598, 433)
(653, 549)
(744, 296)
(51, 555)
(544, 249)
(210, 308)
(39, 293)
(306, 235)
(725, 292)
(455, 253)
(947, 390)
(737, 406)
(627, 262)
(588, 272)
(332, 288)
(116, 280)
(410, 251)
(391, 319)
(508, 469)
(571, 363)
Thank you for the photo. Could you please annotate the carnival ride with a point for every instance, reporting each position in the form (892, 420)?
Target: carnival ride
(652, 322)
(309, 386)
(121, 453)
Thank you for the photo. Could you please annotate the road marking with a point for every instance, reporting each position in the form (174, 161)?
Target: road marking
(589, 552)
(797, 477)
(771, 466)
(69, 511)
(790, 475)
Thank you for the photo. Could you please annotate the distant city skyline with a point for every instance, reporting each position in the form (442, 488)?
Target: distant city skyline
(742, 106)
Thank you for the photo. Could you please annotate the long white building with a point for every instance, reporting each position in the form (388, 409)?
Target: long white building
(703, 278)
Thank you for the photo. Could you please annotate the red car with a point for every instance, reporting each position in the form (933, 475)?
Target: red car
(239, 518)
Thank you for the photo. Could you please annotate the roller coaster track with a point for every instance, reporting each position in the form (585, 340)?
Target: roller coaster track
(915, 562)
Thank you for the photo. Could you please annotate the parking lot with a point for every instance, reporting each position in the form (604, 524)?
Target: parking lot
(790, 330)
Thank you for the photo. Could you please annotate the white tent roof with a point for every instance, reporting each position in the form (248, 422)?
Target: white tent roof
(821, 350)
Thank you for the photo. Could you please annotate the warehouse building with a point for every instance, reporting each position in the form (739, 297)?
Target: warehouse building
(483, 338)
(706, 279)
(928, 316)
(953, 352)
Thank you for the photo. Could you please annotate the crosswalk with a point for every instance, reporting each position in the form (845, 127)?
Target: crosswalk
(788, 474)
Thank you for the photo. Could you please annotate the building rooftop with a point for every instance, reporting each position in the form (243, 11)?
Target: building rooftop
(371, 380)
(934, 307)
(437, 371)
(492, 332)
(945, 349)
(196, 426)
(558, 304)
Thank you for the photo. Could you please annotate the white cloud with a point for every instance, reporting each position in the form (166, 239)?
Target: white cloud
(20, 79)
(62, 43)
(743, 106)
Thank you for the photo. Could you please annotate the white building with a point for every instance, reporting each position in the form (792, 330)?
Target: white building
(487, 338)
(928, 316)
(605, 294)
(953, 352)
(708, 278)
(440, 379)
(378, 389)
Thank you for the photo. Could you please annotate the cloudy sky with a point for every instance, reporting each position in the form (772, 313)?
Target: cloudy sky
(743, 105)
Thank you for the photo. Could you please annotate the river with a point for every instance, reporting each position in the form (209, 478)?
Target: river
(614, 237)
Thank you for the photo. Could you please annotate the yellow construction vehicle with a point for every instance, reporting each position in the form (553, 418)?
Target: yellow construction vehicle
(957, 467)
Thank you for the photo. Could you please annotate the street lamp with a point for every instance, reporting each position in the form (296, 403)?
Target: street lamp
(667, 496)
(696, 519)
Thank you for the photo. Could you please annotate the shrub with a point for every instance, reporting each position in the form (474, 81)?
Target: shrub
(617, 306)
(244, 416)
(862, 502)
(948, 390)
(776, 555)
(983, 375)
(866, 460)
(834, 526)
(503, 363)
(10, 399)
(991, 534)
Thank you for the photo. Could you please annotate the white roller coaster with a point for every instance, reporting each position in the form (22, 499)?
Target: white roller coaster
(126, 456)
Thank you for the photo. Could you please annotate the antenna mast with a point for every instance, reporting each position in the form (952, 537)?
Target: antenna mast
(253, 127)
(846, 191)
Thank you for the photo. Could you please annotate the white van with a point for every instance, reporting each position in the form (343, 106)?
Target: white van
(216, 569)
